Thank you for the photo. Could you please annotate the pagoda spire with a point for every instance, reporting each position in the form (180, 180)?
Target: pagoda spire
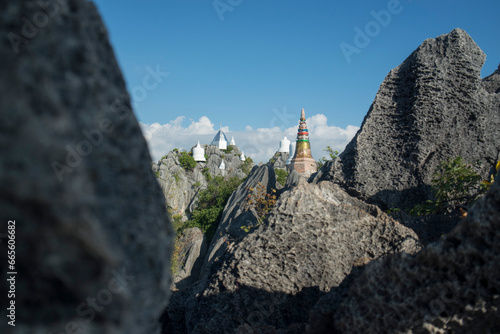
(303, 161)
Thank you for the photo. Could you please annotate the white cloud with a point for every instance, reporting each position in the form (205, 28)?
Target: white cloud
(260, 144)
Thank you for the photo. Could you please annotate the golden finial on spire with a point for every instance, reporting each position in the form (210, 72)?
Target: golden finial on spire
(303, 114)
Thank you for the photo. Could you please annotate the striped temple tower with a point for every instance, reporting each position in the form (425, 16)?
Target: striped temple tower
(303, 161)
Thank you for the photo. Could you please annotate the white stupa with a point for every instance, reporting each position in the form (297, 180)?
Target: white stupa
(232, 143)
(242, 156)
(199, 153)
(220, 140)
(291, 150)
(222, 165)
(284, 146)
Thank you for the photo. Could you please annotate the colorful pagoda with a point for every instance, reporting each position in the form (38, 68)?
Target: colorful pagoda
(303, 161)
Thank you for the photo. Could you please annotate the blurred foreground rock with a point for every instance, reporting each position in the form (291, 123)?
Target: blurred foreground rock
(93, 240)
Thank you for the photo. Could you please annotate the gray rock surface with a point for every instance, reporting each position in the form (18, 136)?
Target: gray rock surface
(492, 82)
(235, 214)
(181, 186)
(279, 160)
(192, 248)
(432, 107)
(452, 286)
(91, 225)
(273, 276)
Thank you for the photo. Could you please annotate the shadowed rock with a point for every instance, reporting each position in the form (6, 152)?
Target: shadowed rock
(452, 286)
(93, 236)
(274, 275)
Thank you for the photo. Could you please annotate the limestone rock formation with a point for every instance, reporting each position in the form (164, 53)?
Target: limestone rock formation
(279, 160)
(432, 107)
(191, 248)
(235, 215)
(273, 276)
(181, 186)
(452, 286)
(492, 82)
(93, 239)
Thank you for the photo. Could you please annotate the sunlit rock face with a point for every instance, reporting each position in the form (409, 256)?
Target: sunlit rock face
(432, 107)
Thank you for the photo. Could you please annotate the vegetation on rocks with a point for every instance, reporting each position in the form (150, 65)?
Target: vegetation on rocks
(281, 175)
(247, 165)
(212, 201)
(455, 184)
(187, 161)
(332, 154)
(259, 200)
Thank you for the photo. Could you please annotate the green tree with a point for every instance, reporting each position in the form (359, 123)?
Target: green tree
(454, 183)
(281, 175)
(211, 204)
(247, 165)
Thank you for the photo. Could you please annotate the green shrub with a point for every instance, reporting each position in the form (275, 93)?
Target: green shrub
(229, 149)
(157, 173)
(281, 175)
(187, 162)
(211, 203)
(259, 200)
(454, 183)
(247, 165)
(332, 154)
(177, 178)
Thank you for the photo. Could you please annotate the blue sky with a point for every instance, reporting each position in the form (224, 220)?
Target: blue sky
(253, 65)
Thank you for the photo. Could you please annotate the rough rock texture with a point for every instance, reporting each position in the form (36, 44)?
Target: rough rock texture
(273, 276)
(181, 187)
(279, 160)
(432, 107)
(91, 224)
(452, 286)
(191, 248)
(492, 82)
(429, 228)
(235, 214)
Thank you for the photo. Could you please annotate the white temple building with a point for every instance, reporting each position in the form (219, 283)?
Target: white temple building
(199, 153)
(222, 165)
(232, 143)
(284, 146)
(291, 150)
(220, 140)
(242, 156)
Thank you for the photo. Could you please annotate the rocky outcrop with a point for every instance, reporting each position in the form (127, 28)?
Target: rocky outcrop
(279, 160)
(452, 286)
(314, 237)
(236, 215)
(93, 239)
(191, 248)
(492, 82)
(181, 186)
(432, 107)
